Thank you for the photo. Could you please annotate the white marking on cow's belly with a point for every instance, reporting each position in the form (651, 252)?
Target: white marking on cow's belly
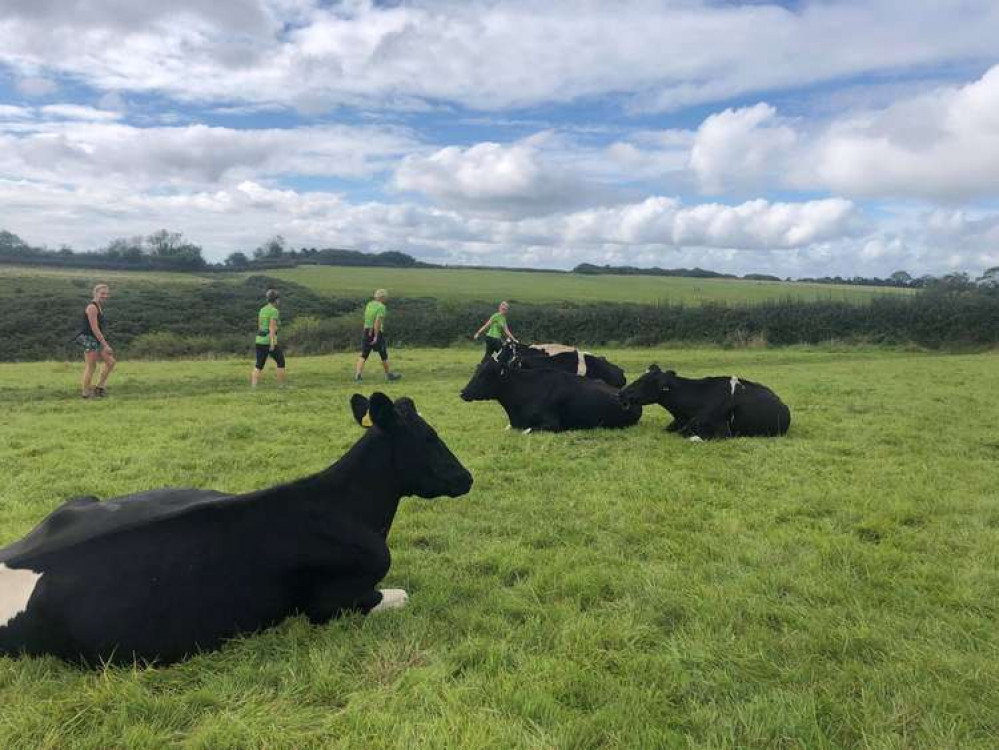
(697, 439)
(527, 431)
(581, 364)
(391, 599)
(16, 588)
(733, 382)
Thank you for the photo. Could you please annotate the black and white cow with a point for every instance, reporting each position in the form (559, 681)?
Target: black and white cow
(163, 574)
(545, 399)
(707, 408)
(561, 357)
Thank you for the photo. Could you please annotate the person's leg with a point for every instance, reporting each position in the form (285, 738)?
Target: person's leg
(109, 363)
(90, 364)
(365, 351)
(258, 366)
(278, 356)
(383, 353)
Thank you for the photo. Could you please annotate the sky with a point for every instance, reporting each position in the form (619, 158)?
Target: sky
(804, 138)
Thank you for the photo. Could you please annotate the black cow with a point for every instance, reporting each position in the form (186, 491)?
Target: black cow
(547, 399)
(560, 357)
(163, 574)
(709, 408)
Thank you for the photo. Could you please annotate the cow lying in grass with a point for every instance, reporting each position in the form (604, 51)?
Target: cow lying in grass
(546, 399)
(163, 574)
(707, 408)
(560, 357)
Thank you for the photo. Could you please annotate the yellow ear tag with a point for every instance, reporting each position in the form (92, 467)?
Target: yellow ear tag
(366, 420)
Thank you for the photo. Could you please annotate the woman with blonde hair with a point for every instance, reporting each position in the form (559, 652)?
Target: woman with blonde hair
(373, 336)
(92, 338)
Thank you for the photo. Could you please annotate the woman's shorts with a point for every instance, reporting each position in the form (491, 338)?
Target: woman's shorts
(493, 344)
(378, 345)
(264, 350)
(88, 342)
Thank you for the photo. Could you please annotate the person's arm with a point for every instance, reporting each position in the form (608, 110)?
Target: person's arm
(484, 327)
(377, 329)
(272, 332)
(95, 327)
(510, 335)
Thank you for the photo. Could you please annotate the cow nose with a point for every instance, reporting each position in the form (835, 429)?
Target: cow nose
(464, 395)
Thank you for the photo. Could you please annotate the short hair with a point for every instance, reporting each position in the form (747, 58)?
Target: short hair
(380, 294)
(98, 287)
(272, 295)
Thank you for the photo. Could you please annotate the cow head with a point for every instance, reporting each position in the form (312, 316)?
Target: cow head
(513, 352)
(648, 389)
(423, 463)
(485, 381)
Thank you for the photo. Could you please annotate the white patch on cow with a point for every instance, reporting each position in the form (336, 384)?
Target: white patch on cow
(696, 439)
(734, 382)
(552, 349)
(581, 364)
(527, 431)
(16, 588)
(391, 599)
(508, 427)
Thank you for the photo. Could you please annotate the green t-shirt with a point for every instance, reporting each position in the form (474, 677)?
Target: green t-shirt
(267, 313)
(372, 312)
(497, 326)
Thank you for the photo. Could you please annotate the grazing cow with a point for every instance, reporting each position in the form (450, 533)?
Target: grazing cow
(163, 574)
(545, 399)
(561, 357)
(709, 408)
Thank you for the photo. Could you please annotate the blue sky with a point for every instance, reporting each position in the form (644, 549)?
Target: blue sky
(798, 138)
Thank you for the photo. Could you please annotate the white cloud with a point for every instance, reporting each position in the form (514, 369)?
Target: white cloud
(482, 54)
(939, 146)
(741, 148)
(494, 179)
(93, 151)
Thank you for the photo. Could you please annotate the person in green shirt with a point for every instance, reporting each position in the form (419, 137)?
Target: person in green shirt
(374, 336)
(268, 320)
(497, 330)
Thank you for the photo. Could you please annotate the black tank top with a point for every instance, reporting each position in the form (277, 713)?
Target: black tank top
(86, 321)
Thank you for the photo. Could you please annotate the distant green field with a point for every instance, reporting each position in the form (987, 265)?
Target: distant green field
(604, 589)
(525, 286)
(492, 285)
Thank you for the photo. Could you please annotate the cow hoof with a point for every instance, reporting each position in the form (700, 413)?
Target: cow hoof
(696, 439)
(391, 599)
(508, 427)
(527, 431)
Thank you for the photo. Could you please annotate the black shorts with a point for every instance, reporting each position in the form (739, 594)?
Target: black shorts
(263, 350)
(378, 345)
(493, 344)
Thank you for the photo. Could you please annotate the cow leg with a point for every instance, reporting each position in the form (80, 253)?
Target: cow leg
(334, 597)
(673, 426)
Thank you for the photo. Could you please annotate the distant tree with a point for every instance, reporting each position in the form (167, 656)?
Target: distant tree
(901, 278)
(989, 279)
(274, 248)
(11, 244)
(237, 260)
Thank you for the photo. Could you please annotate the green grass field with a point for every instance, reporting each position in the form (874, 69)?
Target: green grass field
(488, 285)
(835, 588)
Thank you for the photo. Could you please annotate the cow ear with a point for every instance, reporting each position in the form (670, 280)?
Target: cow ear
(405, 405)
(653, 368)
(671, 373)
(359, 408)
(382, 411)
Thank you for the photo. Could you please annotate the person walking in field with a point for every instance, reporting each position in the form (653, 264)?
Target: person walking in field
(496, 329)
(268, 321)
(92, 338)
(374, 336)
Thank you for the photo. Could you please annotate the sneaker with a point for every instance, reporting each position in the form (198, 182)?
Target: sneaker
(100, 392)
(357, 378)
(392, 376)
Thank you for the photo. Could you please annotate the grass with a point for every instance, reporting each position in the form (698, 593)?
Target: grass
(524, 286)
(836, 588)
(481, 284)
